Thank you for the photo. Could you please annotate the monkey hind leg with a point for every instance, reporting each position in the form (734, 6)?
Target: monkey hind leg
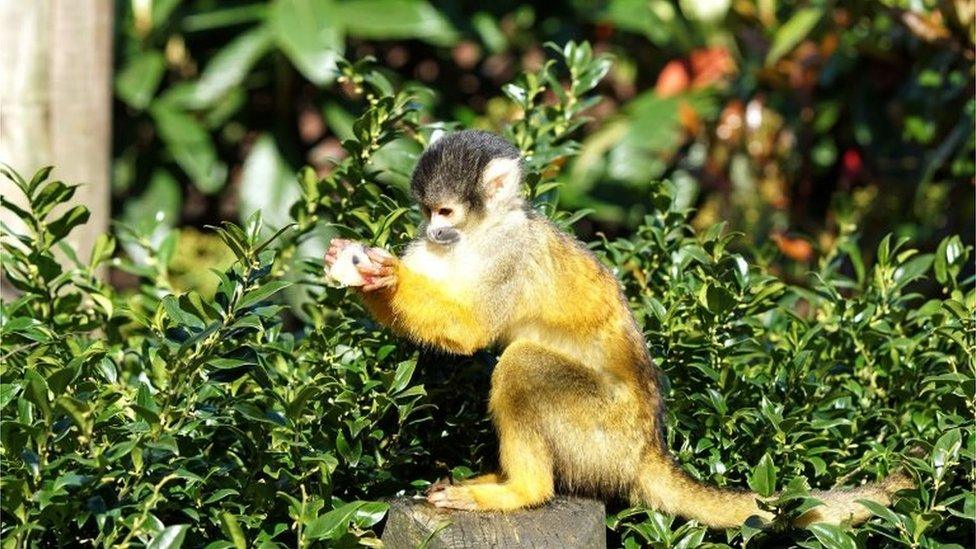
(528, 480)
(531, 387)
(556, 419)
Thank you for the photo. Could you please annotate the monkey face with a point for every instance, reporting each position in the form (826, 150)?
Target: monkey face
(444, 221)
(462, 179)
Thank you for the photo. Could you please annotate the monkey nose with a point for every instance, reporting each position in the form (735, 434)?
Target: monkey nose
(444, 235)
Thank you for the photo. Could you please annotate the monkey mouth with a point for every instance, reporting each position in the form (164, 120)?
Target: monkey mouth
(445, 242)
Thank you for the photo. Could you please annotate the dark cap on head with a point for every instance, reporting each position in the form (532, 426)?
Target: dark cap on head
(451, 168)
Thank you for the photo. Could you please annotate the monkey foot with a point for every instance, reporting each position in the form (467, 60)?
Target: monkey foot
(446, 496)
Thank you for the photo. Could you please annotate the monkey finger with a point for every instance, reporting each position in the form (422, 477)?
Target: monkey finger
(437, 486)
(453, 497)
(381, 256)
(375, 271)
(338, 244)
(368, 269)
(377, 283)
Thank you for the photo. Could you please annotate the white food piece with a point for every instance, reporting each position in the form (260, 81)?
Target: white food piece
(344, 270)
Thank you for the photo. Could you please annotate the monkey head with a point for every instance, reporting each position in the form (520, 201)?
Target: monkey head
(461, 179)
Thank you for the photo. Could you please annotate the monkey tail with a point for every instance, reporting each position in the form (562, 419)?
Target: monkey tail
(667, 487)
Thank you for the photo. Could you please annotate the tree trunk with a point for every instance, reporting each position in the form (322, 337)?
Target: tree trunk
(566, 522)
(56, 101)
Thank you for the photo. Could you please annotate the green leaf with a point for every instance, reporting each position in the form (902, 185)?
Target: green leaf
(913, 269)
(180, 315)
(144, 398)
(831, 536)
(39, 177)
(393, 19)
(490, 33)
(23, 214)
(763, 477)
(882, 511)
(190, 146)
(170, 537)
(941, 264)
(884, 250)
(402, 376)
(332, 524)
(946, 451)
(101, 251)
(233, 530)
(60, 227)
(351, 453)
(51, 195)
(793, 32)
(222, 15)
(234, 238)
(717, 299)
(136, 83)
(8, 392)
(309, 34)
(78, 411)
(262, 293)
(159, 203)
(105, 303)
(369, 514)
(37, 391)
(229, 67)
(267, 184)
(660, 24)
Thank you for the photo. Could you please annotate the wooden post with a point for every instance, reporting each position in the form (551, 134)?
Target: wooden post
(565, 523)
(56, 100)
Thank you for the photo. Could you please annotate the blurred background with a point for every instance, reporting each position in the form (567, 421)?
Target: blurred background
(793, 121)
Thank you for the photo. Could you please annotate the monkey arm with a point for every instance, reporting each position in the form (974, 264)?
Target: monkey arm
(423, 311)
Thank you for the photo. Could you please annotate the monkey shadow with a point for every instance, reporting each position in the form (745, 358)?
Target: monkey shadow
(459, 433)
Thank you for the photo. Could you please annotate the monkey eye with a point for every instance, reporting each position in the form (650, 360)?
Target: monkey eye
(445, 212)
(355, 260)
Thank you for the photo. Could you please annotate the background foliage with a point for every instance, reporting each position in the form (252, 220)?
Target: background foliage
(253, 405)
(789, 120)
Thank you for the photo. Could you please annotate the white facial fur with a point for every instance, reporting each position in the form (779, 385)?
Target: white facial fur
(447, 215)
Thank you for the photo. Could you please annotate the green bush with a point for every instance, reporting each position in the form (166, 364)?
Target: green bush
(158, 418)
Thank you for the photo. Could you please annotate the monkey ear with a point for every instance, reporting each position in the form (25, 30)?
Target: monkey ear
(501, 178)
(435, 136)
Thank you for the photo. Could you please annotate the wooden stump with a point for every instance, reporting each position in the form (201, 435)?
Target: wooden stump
(566, 522)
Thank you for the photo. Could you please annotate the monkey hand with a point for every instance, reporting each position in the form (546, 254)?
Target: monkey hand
(336, 245)
(341, 261)
(380, 272)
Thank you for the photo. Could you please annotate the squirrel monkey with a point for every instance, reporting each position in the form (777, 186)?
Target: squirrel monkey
(575, 397)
